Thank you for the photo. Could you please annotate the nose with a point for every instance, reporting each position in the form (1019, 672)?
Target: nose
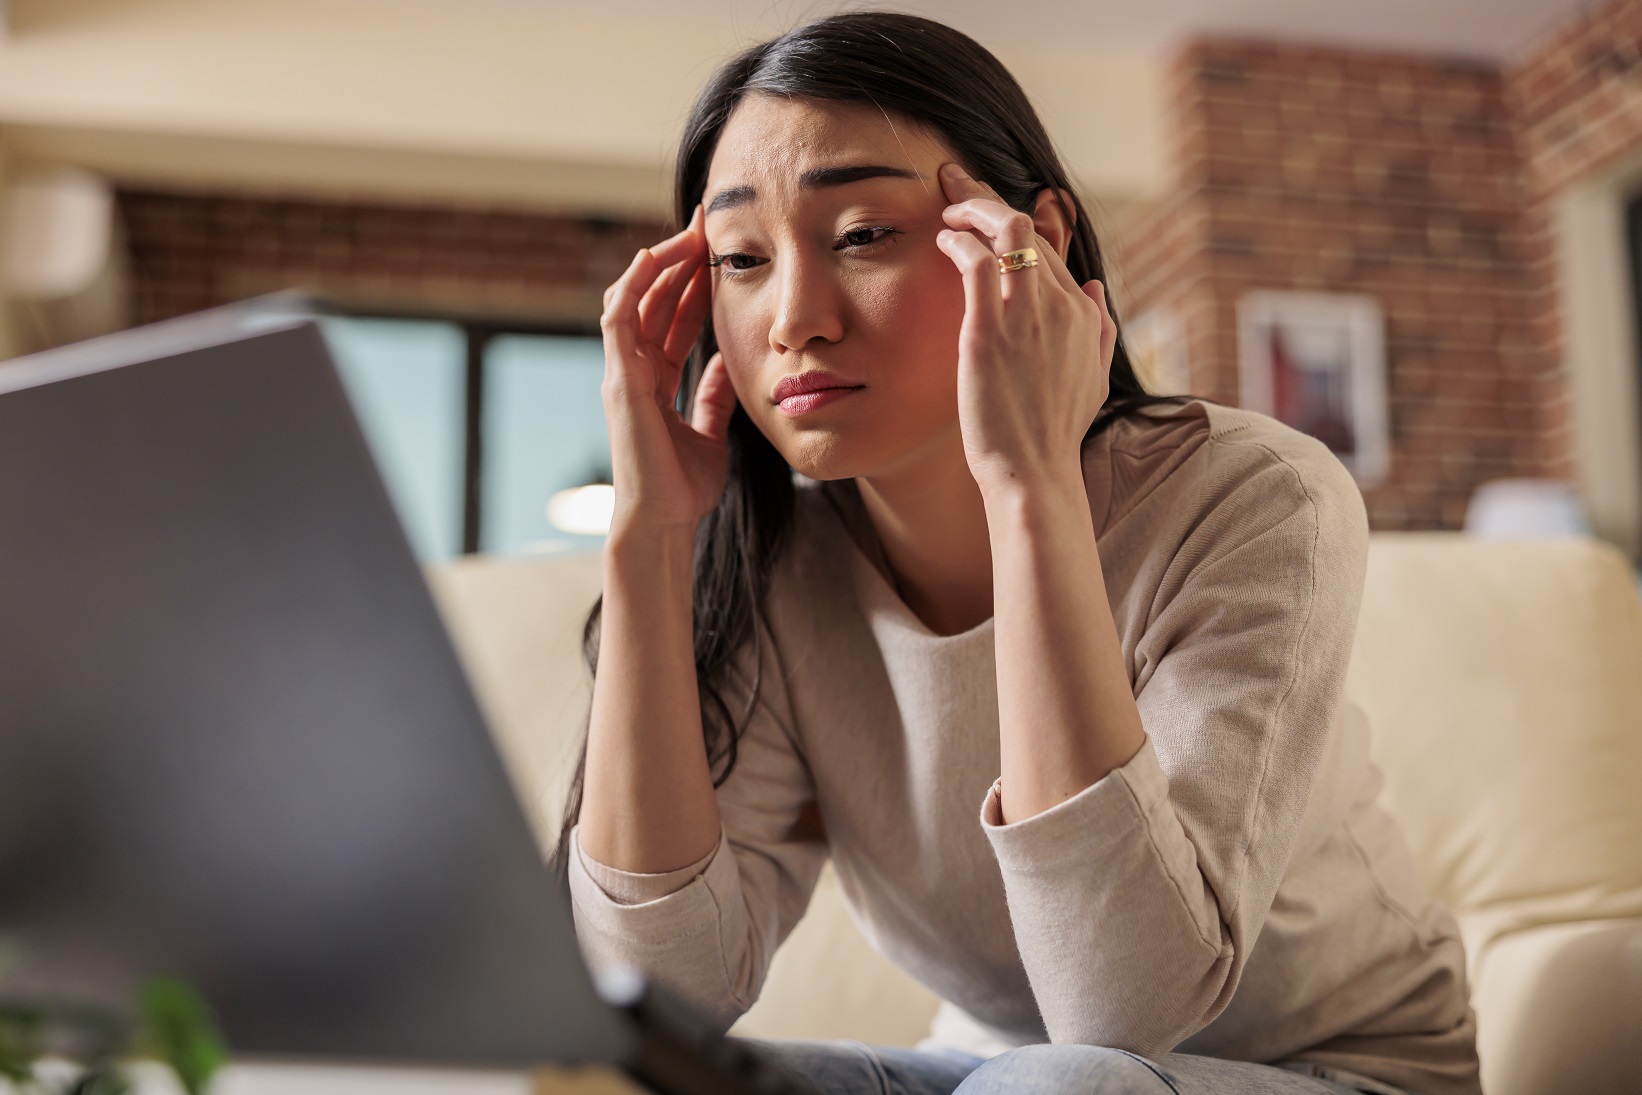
(808, 304)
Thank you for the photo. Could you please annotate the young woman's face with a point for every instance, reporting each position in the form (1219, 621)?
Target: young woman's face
(822, 218)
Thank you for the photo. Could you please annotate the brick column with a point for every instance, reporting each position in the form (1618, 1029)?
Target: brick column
(1320, 169)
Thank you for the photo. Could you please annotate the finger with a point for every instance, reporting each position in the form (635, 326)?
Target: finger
(687, 320)
(682, 244)
(959, 185)
(1057, 266)
(1010, 229)
(677, 329)
(660, 303)
(691, 314)
(983, 296)
(1007, 229)
(1108, 326)
(619, 321)
(1007, 286)
(977, 206)
(1004, 230)
(715, 400)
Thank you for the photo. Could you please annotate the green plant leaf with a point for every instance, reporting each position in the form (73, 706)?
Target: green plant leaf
(103, 1080)
(19, 1043)
(178, 1028)
(19, 1028)
(16, 1062)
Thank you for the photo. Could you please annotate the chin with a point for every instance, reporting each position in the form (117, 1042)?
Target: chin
(863, 450)
(818, 454)
(825, 461)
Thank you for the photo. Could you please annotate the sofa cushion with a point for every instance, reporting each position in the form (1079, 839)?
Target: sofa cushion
(517, 624)
(1503, 684)
(1502, 680)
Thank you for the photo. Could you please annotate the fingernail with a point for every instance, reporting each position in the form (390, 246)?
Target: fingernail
(955, 171)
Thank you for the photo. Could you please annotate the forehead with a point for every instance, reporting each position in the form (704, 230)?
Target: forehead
(769, 141)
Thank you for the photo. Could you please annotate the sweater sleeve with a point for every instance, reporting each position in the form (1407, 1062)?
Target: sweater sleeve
(1136, 902)
(630, 888)
(709, 930)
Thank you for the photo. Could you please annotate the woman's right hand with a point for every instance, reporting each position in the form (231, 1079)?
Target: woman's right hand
(668, 473)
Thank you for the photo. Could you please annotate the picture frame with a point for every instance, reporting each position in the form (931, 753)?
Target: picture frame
(1316, 362)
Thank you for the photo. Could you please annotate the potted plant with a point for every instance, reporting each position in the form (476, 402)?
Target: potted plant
(95, 1044)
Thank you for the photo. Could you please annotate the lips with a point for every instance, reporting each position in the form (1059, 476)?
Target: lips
(813, 381)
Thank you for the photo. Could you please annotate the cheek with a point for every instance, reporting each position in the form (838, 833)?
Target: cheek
(915, 310)
(742, 340)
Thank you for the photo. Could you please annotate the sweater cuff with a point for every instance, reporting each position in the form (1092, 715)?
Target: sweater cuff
(629, 888)
(1103, 813)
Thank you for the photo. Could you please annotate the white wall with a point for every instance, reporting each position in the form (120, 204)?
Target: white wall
(1599, 349)
(458, 100)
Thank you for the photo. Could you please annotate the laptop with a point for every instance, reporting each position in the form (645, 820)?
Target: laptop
(237, 746)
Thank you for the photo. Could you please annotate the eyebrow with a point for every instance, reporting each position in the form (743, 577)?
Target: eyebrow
(818, 178)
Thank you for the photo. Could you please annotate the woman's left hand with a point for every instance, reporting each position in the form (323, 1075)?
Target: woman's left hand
(1035, 349)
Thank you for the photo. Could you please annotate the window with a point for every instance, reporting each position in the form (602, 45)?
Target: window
(477, 428)
(544, 432)
(406, 379)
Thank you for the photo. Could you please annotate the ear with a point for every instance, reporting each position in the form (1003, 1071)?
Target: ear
(1052, 222)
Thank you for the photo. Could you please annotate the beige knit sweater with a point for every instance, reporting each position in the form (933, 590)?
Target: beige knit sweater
(1233, 890)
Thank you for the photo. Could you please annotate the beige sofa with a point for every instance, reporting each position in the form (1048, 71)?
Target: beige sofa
(1503, 680)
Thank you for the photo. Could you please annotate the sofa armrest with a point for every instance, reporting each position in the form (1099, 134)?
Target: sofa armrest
(1559, 1008)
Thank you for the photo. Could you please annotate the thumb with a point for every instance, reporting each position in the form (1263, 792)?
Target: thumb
(715, 401)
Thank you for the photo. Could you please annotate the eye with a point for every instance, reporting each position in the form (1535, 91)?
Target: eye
(735, 262)
(863, 237)
(732, 263)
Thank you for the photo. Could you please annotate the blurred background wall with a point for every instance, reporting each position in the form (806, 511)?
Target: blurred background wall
(1482, 202)
(460, 179)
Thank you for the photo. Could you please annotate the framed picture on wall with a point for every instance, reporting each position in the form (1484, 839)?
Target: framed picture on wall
(1316, 361)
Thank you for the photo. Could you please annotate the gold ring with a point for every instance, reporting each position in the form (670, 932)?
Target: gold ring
(1011, 261)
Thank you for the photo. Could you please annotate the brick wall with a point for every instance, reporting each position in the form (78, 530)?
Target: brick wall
(1423, 182)
(1346, 171)
(192, 251)
(1576, 103)
(1577, 98)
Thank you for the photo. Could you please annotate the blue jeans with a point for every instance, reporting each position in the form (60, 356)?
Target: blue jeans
(844, 1067)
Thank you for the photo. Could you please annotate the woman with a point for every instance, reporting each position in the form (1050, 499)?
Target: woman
(1006, 580)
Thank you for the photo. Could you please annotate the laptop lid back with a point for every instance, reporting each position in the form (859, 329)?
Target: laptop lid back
(236, 745)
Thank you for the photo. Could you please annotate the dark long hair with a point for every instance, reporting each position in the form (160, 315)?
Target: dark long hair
(906, 66)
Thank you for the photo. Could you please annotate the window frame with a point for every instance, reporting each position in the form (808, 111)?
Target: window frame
(477, 332)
